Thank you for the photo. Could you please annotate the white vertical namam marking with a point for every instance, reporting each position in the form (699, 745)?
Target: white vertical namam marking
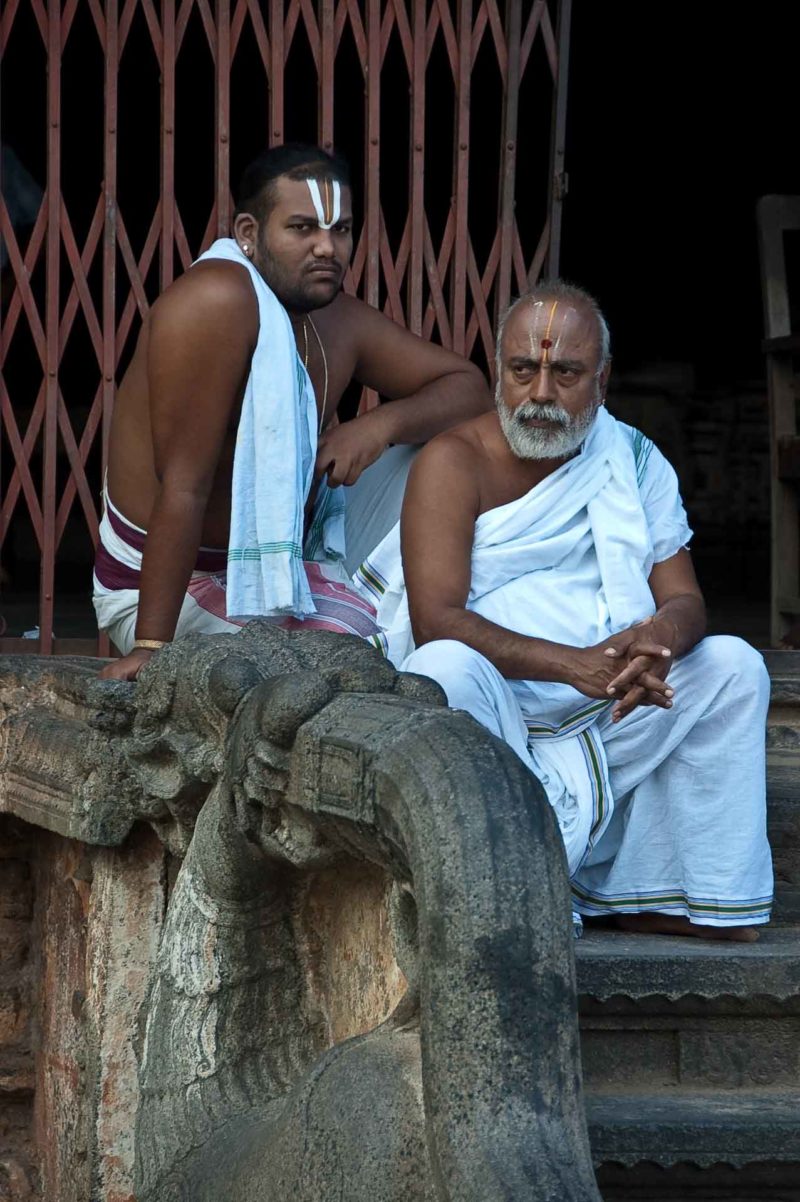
(329, 209)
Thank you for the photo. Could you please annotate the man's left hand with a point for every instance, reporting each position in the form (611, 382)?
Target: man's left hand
(647, 663)
(347, 450)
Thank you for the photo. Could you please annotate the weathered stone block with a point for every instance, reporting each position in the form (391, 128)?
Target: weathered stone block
(365, 984)
(16, 1181)
(16, 890)
(741, 1055)
(16, 1074)
(782, 736)
(15, 1013)
(15, 936)
(618, 1058)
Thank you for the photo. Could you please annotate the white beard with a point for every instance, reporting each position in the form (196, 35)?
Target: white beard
(531, 442)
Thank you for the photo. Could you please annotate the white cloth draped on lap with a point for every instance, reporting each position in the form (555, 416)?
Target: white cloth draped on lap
(276, 445)
(568, 562)
(672, 813)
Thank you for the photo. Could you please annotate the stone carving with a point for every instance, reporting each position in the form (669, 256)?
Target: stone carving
(365, 986)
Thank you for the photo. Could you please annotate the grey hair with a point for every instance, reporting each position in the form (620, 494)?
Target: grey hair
(559, 290)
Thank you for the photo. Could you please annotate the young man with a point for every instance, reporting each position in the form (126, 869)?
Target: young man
(222, 449)
(551, 594)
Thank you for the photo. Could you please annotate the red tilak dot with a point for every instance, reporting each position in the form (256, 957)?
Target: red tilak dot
(546, 343)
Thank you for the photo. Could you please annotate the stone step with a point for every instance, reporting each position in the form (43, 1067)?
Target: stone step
(783, 720)
(762, 1181)
(783, 828)
(659, 1013)
(691, 1048)
(699, 1128)
(784, 671)
(611, 962)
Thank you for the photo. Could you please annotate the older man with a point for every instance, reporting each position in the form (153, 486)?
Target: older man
(221, 500)
(550, 592)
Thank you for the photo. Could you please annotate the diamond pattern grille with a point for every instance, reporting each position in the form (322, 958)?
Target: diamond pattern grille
(445, 108)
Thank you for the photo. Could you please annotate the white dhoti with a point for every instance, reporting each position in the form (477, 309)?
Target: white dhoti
(666, 810)
(677, 820)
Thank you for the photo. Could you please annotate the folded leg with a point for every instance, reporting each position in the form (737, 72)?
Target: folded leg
(688, 835)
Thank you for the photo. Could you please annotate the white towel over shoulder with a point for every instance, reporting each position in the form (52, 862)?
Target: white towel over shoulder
(273, 463)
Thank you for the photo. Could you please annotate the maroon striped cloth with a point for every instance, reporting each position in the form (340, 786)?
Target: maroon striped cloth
(339, 607)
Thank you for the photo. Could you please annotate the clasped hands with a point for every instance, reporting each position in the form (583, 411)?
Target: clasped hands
(629, 668)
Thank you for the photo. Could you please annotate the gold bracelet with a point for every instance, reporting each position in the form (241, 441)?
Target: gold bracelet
(149, 644)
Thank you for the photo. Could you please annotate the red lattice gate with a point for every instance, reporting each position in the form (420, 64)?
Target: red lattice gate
(122, 122)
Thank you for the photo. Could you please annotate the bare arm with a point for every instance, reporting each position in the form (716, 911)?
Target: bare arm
(431, 389)
(680, 618)
(202, 332)
(678, 624)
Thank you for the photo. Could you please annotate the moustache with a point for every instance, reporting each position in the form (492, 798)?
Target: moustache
(530, 411)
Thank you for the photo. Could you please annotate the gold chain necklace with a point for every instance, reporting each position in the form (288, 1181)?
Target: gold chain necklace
(306, 322)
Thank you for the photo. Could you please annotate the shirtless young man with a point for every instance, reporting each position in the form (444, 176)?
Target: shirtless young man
(550, 592)
(177, 412)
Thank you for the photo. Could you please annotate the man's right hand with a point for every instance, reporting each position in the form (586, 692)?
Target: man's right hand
(129, 666)
(630, 666)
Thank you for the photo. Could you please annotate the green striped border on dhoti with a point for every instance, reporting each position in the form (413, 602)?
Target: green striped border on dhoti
(370, 578)
(595, 902)
(240, 554)
(543, 730)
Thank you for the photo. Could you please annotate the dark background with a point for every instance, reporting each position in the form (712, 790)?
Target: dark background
(680, 116)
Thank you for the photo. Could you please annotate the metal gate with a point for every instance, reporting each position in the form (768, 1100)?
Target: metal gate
(125, 119)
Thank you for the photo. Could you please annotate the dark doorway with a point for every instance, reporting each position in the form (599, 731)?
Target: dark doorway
(680, 117)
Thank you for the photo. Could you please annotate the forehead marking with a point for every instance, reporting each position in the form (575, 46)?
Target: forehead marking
(327, 201)
(547, 341)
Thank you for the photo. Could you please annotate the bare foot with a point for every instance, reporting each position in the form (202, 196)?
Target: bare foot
(665, 924)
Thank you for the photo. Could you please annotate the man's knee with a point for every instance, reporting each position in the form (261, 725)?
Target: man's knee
(728, 658)
(451, 664)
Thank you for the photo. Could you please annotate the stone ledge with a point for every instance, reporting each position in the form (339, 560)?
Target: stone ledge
(785, 690)
(783, 775)
(786, 663)
(703, 1129)
(760, 1181)
(612, 963)
(784, 671)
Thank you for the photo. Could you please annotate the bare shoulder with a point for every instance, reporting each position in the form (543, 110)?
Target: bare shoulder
(349, 309)
(350, 320)
(452, 462)
(463, 447)
(214, 293)
(372, 330)
(458, 448)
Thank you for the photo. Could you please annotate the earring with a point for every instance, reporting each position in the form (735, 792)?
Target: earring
(246, 249)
